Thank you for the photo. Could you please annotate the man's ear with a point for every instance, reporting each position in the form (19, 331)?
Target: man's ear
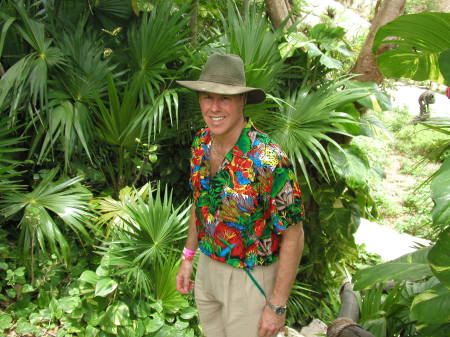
(244, 95)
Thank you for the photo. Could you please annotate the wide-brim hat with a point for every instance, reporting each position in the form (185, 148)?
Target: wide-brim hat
(225, 75)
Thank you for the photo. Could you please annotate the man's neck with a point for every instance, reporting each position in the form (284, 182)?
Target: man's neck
(228, 140)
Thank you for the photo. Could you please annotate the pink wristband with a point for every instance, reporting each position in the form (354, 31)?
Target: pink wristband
(188, 252)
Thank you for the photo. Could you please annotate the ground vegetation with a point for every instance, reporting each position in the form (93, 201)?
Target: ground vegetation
(94, 157)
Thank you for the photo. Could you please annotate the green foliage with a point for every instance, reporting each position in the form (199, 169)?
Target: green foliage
(419, 39)
(413, 266)
(308, 118)
(8, 164)
(38, 228)
(91, 87)
(252, 39)
(440, 193)
(141, 246)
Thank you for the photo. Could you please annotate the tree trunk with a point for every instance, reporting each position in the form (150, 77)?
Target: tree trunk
(194, 21)
(279, 10)
(366, 65)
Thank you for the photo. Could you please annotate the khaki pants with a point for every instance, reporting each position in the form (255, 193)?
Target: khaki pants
(228, 302)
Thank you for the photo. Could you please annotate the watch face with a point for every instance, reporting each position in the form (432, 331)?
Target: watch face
(280, 310)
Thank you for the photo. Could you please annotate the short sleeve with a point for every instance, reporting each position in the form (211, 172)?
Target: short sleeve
(195, 164)
(286, 197)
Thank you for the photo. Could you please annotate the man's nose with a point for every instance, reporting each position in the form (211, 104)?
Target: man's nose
(215, 105)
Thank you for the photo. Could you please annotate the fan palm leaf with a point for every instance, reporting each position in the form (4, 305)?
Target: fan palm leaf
(8, 165)
(155, 41)
(253, 40)
(87, 69)
(304, 124)
(114, 211)
(153, 229)
(64, 198)
(164, 281)
(30, 74)
(70, 124)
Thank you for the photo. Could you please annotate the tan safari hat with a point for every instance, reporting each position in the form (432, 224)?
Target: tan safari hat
(224, 75)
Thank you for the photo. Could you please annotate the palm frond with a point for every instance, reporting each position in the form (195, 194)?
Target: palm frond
(30, 72)
(306, 122)
(155, 41)
(113, 212)
(66, 199)
(164, 281)
(253, 40)
(153, 227)
(8, 165)
(86, 71)
(70, 124)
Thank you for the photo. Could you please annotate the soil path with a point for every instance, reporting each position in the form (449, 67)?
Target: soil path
(385, 240)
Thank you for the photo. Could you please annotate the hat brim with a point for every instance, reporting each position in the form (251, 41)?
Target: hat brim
(254, 95)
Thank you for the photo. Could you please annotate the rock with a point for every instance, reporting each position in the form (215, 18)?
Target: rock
(289, 332)
(314, 329)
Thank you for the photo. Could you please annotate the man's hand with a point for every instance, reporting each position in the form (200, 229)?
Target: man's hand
(184, 282)
(270, 323)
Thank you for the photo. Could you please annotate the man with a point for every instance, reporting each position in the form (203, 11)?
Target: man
(247, 212)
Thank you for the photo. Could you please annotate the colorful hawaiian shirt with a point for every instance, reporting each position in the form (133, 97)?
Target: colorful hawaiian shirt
(252, 198)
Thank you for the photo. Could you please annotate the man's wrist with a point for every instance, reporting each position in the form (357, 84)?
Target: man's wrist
(277, 309)
(188, 254)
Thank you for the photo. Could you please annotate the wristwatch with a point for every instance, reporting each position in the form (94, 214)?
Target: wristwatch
(279, 310)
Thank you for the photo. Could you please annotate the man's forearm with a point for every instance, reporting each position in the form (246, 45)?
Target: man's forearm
(191, 241)
(290, 254)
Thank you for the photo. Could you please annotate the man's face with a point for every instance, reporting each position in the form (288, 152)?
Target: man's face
(222, 113)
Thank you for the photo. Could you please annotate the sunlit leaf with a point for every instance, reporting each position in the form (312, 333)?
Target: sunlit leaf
(432, 306)
(439, 258)
(105, 286)
(413, 266)
(417, 41)
(440, 193)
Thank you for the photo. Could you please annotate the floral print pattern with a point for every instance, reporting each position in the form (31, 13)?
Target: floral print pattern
(252, 198)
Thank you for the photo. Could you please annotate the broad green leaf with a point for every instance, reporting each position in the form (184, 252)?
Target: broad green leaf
(92, 331)
(27, 288)
(126, 331)
(138, 327)
(376, 326)
(25, 328)
(188, 313)
(351, 164)
(330, 62)
(69, 303)
(418, 39)
(432, 306)
(440, 193)
(180, 324)
(444, 65)
(153, 324)
(413, 266)
(54, 308)
(142, 309)
(439, 258)
(105, 286)
(435, 330)
(89, 276)
(117, 314)
(5, 321)
(376, 99)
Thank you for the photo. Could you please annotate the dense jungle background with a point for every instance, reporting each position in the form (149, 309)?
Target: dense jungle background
(95, 145)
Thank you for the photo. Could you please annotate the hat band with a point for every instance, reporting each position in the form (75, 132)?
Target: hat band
(222, 80)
